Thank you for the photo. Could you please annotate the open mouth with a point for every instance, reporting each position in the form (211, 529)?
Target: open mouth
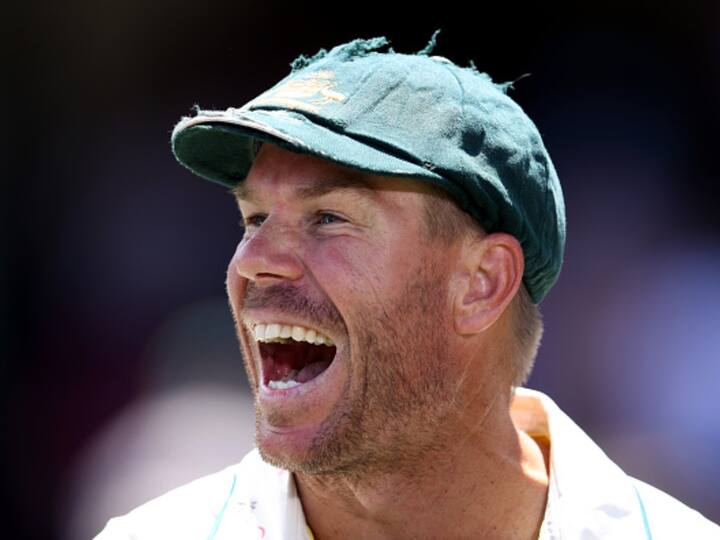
(292, 355)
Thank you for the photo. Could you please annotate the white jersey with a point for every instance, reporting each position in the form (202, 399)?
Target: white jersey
(589, 498)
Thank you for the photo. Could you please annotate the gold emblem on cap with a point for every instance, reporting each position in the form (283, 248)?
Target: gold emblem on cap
(308, 93)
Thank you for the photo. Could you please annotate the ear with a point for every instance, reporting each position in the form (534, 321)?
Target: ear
(489, 274)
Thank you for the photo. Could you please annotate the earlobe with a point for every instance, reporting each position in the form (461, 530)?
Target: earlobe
(492, 272)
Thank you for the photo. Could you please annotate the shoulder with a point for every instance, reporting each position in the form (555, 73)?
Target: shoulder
(188, 511)
(668, 518)
(596, 498)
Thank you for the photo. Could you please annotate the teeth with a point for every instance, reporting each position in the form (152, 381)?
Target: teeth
(272, 331)
(259, 332)
(276, 333)
(298, 333)
(283, 384)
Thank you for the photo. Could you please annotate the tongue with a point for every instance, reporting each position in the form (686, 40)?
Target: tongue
(311, 371)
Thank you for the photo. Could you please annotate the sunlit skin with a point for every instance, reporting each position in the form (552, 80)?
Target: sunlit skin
(407, 434)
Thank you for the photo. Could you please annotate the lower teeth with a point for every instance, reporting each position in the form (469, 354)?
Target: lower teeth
(283, 384)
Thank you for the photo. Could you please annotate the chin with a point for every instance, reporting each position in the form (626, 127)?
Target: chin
(301, 450)
(289, 448)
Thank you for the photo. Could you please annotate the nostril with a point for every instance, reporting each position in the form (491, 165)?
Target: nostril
(267, 275)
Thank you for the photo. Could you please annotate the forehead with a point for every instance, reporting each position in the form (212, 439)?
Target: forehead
(276, 169)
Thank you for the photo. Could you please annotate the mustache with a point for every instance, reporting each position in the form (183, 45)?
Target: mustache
(289, 299)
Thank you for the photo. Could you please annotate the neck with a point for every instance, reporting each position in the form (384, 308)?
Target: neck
(488, 481)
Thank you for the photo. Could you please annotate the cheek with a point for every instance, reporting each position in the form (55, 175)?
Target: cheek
(351, 275)
(371, 278)
(342, 264)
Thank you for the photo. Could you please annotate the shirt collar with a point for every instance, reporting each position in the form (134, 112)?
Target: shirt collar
(596, 499)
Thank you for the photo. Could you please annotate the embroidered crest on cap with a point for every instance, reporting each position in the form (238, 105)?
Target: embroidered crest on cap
(309, 92)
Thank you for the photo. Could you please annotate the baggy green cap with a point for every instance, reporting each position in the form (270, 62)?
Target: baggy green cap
(394, 114)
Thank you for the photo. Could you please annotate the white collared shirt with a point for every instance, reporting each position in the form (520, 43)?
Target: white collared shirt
(589, 496)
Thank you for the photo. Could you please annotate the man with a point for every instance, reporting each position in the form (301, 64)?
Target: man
(402, 222)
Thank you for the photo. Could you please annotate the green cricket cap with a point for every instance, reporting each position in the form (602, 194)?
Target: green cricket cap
(410, 115)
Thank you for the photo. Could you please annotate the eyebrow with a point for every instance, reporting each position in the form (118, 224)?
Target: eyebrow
(244, 193)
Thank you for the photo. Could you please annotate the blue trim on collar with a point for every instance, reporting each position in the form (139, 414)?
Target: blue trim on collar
(221, 515)
(644, 514)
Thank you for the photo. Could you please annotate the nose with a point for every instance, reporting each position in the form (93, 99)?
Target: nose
(268, 256)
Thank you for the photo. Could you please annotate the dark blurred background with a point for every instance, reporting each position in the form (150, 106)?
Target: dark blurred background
(121, 373)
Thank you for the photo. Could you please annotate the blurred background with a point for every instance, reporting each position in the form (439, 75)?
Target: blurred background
(121, 373)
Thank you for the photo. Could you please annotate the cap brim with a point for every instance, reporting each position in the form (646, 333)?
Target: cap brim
(219, 146)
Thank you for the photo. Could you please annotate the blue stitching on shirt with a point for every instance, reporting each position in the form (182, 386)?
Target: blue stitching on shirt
(220, 516)
(644, 515)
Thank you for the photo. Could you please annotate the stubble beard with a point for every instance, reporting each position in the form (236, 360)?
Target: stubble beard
(393, 409)
(398, 417)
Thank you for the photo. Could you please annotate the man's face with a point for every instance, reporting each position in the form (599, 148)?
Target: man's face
(342, 259)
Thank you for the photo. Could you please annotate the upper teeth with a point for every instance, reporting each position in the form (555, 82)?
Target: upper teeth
(282, 332)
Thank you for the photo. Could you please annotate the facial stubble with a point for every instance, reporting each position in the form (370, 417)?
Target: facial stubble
(394, 405)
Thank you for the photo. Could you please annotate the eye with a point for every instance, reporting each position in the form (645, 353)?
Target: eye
(254, 220)
(326, 218)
